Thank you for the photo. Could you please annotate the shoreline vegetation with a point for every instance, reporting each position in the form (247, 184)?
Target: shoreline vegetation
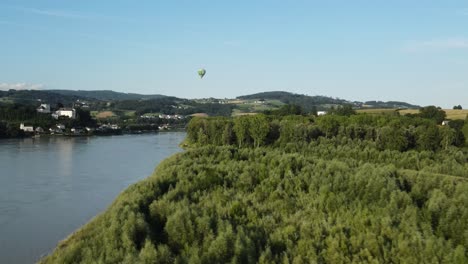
(280, 188)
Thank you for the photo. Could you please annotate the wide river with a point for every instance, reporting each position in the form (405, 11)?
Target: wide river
(51, 186)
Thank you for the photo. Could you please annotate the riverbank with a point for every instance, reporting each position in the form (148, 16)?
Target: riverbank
(50, 186)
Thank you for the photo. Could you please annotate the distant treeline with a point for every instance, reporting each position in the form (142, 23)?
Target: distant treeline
(395, 132)
(168, 105)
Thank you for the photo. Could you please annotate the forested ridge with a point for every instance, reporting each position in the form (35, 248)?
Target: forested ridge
(293, 189)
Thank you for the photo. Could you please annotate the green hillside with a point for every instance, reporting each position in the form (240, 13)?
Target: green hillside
(322, 102)
(35, 97)
(308, 103)
(107, 95)
(264, 189)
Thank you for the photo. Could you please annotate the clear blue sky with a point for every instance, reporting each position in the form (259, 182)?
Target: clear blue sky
(414, 51)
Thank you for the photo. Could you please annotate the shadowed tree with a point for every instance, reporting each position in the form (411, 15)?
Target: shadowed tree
(432, 112)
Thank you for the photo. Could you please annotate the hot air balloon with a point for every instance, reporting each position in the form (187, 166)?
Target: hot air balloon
(201, 73)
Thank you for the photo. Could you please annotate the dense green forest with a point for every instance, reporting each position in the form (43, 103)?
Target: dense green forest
(292, 189)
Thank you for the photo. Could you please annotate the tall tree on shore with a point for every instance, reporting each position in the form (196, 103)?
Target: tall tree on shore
(241, 128)
(434, 113)
(259, 128)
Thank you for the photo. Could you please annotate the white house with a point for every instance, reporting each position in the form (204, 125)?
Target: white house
(164, 127)
(59, 128)
(445, 122)
(76, 130)
(43, 109)
(67, 112)
(26, 128)
(321, 113)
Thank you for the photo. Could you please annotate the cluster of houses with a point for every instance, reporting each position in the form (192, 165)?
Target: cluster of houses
(163, 116)
(81, 104)
(105, 127)
(60, 128)
(65, 112)
(57, 129)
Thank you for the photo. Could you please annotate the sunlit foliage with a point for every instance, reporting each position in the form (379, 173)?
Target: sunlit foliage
(355, 189)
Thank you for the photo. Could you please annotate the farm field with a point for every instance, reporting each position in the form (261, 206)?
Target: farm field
(104, 114)
(248, 107)
(451, 113)
(377, 111)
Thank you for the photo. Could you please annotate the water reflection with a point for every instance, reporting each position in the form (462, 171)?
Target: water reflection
(49, 186)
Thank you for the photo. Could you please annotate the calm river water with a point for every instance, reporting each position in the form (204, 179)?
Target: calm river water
(51, 186)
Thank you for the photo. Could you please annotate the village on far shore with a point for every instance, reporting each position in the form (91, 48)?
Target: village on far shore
(63, 115)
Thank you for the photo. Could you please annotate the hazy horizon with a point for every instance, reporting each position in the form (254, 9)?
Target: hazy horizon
(414, 52)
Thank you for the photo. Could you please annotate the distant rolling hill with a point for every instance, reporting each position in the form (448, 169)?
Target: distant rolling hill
(133, 101)
(389, 104)
(307, 101)
(35, 97)
(107, 95)
(291, 97)
(68, 97)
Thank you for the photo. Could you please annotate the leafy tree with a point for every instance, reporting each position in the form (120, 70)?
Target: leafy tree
(288, 109)
(258, 129)
(392, 138)
(448, 137)
(59, 105)
(329, 125)
(241, 128)
(432, 112)
(428, 138)
(343, 110)
(148, 253)
(227, 137)
(465, 129)
(83, 118)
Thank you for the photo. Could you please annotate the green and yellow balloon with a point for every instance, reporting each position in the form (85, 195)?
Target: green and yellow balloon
(201, 73)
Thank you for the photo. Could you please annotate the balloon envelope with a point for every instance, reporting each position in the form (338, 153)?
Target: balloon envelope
(201, 72)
